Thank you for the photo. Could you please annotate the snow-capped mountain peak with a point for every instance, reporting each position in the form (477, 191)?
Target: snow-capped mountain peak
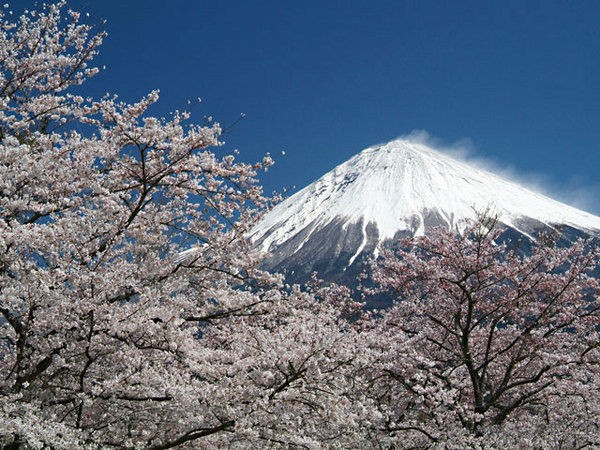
(398, 189)
(396, 186)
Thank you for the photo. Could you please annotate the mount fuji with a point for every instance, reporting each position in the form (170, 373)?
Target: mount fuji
(398, 189)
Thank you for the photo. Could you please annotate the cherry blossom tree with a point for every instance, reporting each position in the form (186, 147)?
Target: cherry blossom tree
(110, 334)
(488, 347)
(134, 313)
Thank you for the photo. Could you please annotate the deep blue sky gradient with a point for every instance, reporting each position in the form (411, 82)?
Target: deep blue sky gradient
(324, 79)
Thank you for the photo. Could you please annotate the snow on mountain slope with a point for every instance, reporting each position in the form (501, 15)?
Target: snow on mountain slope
(403, 186)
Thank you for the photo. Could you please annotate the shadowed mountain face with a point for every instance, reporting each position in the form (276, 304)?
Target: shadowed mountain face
(397, 190)
(330, 248)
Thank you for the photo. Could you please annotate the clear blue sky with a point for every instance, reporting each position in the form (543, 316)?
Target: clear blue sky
(324, 79)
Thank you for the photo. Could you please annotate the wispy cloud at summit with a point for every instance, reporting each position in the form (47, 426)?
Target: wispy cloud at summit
(573, 190)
